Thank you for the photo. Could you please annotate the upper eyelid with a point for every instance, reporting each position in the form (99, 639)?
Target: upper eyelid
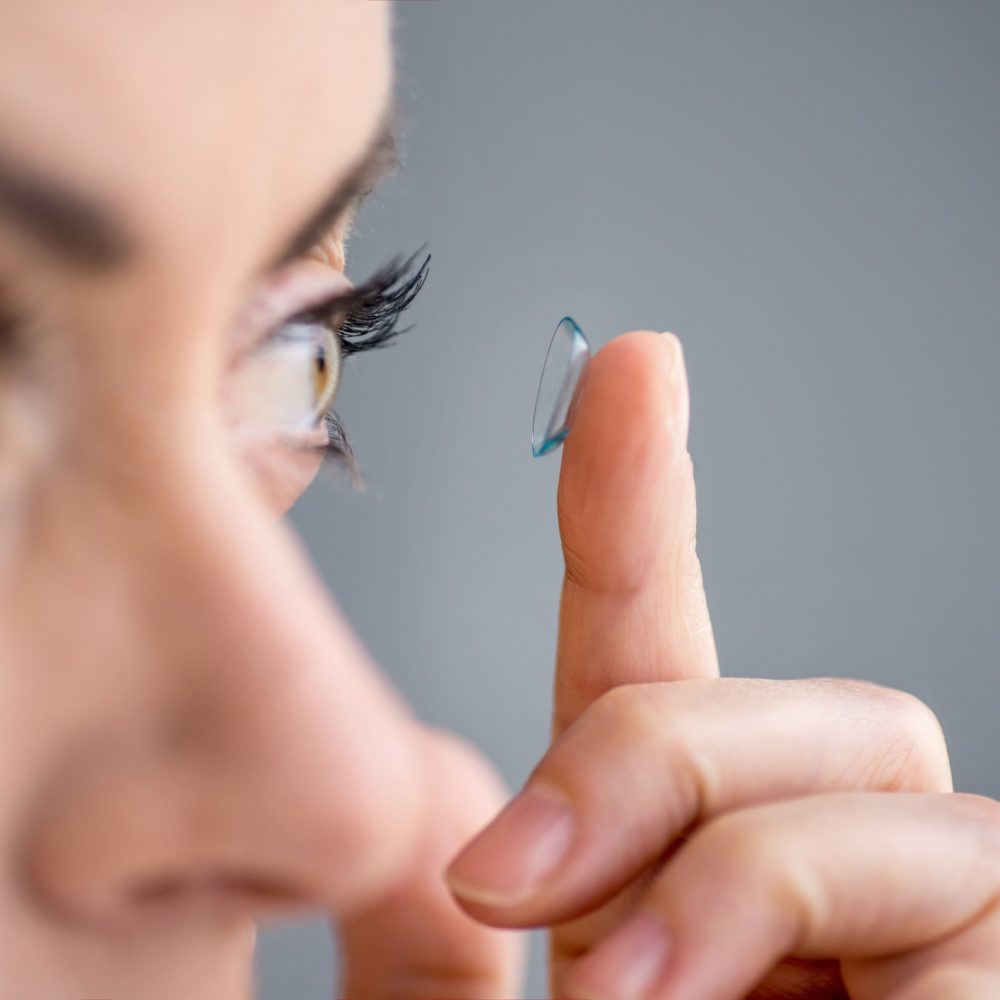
(398, 281)
(292, 293)
(319, 312)
(366, 313)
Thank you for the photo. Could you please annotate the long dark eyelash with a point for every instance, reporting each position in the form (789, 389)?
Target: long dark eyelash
(338, 448)
(372, 314)
(367, 317)
(364, 319)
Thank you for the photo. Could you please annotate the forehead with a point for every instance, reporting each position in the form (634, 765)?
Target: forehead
(243, 112)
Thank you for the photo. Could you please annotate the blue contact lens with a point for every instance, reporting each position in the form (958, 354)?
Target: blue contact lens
(562, 372)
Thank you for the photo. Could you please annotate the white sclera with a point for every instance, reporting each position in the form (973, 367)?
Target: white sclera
(281, 386)
(565, 362)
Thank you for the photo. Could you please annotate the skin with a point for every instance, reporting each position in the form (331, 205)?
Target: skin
(712, 838)
(194, 738)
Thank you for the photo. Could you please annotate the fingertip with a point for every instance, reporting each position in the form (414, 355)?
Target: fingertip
(623, 458)
(510, 863)
(679, 404)
(633, 404)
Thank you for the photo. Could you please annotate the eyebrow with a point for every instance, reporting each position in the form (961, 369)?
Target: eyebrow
(88, 233)
(72, 225)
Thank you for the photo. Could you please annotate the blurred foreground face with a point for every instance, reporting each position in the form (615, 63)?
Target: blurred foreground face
(191, 736)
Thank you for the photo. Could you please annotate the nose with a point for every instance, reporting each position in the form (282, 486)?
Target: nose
(227, 743)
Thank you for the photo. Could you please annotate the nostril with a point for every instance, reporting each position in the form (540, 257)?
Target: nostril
(223, 891)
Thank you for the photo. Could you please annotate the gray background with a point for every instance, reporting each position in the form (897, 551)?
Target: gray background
(808, 195)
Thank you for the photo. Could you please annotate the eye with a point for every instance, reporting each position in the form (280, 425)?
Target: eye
(326, 365)
(287, 384)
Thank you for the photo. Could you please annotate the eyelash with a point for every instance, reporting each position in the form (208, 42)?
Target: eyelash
(366, 318)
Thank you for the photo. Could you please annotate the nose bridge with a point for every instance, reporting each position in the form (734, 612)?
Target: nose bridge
(260, 747)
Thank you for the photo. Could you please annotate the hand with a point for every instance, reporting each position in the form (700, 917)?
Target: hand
(706, 838)
(414, 943)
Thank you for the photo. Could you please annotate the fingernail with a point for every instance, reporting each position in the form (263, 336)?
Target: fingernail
(678, 414)
(515, 855)
(625, 967)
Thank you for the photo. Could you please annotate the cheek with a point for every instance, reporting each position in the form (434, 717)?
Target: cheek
(281, 474)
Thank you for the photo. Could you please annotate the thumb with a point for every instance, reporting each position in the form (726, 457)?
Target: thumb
(633, 604)
(415, 943)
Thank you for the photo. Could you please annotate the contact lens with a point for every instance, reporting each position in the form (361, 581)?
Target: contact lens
(562, 372)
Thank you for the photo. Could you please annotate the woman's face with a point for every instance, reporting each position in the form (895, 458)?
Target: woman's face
(191, 735)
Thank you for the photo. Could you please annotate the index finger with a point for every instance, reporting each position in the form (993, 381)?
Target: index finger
(633, 604)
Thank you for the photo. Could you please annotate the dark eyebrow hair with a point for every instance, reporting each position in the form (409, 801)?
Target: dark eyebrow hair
(86, 232)
(378, 158)
(72, 225)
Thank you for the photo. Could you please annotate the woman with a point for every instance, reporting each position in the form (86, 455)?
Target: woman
(194, 738)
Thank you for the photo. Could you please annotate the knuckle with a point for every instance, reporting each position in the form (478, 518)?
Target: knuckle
(630, 726)
(645, 715)
(627, 707)
(760, 850)
(750, 846)
(628, 716)
(579, 569)
(914, 753)
(656, 718)
(921, 750)
(984, 812)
